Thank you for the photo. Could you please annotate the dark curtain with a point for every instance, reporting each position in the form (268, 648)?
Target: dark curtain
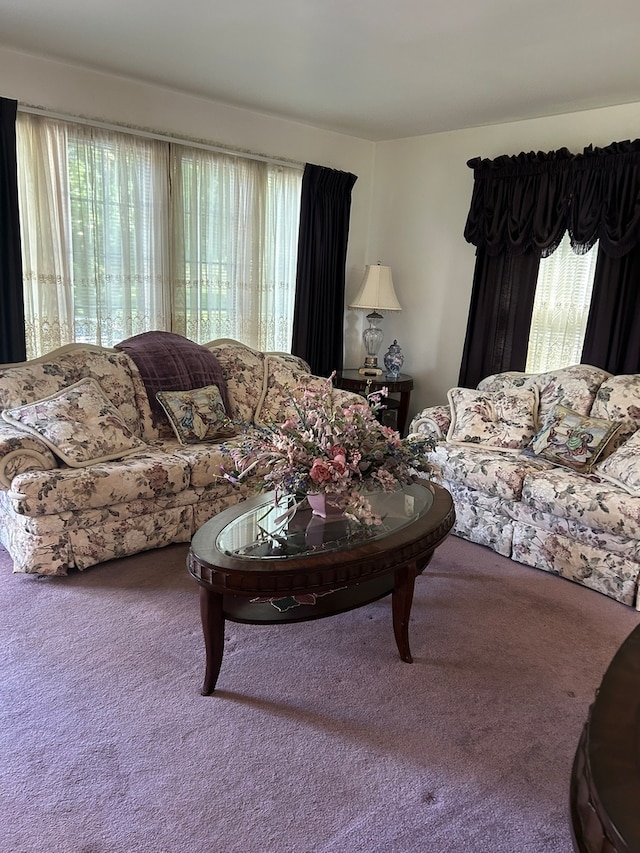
(12, 334)
(523, 205)
(517, 215)
(520, 203)
(318, 317)
(607, 209)
(499, 315)
(612, 338)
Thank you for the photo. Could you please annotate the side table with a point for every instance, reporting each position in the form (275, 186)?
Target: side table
(352, 380)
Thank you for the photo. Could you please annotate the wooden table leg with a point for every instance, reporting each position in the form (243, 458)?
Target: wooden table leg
(212, 617)
(401, 601)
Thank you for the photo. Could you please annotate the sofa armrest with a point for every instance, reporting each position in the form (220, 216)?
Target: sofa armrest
(434, 421)
(20, 452)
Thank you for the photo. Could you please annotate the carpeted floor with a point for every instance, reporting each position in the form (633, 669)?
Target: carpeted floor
(318, 738)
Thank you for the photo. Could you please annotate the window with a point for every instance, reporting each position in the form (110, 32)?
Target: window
(561, 308)
(124, 233)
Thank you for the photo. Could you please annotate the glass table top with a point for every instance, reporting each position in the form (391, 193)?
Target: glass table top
(269, 531)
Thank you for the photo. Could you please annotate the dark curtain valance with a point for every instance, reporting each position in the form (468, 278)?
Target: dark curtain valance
(527, 202)
(520, 202)
(605, 205)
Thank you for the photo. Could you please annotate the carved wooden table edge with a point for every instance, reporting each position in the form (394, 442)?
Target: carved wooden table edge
(403, 556)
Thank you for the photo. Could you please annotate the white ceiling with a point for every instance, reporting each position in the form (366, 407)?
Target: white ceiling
(376, 69)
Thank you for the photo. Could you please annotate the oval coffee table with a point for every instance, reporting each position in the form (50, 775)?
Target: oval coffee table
(261, 564)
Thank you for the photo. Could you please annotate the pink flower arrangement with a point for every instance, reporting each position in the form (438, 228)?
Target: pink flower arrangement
(332, 449)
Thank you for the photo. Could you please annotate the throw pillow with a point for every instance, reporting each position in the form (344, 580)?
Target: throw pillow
(572, 440)
(80, 425)
(622, 468)
(196, 415)
(282, 381)
(503, 420)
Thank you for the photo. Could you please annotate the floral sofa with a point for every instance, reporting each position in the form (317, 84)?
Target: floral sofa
(545, 469)
(88, 473)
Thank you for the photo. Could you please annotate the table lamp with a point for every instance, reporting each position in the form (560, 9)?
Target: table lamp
(376, 292)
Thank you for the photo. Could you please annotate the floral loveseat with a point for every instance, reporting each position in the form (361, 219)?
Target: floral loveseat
(121, 481)
(545, 469)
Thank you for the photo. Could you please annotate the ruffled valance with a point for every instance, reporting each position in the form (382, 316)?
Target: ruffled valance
(526, 202)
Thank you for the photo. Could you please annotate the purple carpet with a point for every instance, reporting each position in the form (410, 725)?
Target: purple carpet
(318, 738)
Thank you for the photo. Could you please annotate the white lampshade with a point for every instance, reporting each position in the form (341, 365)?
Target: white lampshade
(376, 290)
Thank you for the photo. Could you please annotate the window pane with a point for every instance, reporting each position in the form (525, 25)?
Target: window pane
(561, 308)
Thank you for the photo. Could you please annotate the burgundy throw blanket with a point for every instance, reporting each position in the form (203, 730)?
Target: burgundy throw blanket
(169, 362)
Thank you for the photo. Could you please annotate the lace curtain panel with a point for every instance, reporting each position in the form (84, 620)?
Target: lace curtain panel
(123, 234)
(560, 308)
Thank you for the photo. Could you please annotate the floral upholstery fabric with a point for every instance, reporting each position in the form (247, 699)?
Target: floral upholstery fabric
(582, 526)
(504, 419)
(594, 503)
(622, 468)
(243, 370)
(33, 380)
(594, 567)
(20, 452)
(481, 518)
(54, 518)
(575, 387)
(485, 471)
(434, 421)
(283, 382)
(618, 399)
(142, 475)
(79, 424)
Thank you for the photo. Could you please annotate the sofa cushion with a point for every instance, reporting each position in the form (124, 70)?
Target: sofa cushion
(79, 424)
(489, 471)
(622, 467)
(501, 420)
(595, 503)
(284, 383)
(208, 463)
(572, 440)
(197, 415)
(149, 474)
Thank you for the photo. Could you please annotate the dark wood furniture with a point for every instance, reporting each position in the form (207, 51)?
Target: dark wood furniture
(235, 562)
(352, 380)
(605, 781)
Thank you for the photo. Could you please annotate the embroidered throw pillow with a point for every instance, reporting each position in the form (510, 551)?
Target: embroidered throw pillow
(80, 425)
(503, 420)
(197, 415)
(572, 440)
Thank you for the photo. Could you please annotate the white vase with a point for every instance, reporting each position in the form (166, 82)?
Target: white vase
(325, 506)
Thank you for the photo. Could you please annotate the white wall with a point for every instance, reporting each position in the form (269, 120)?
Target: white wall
(422, 191)
(70, 90)
(409, 205)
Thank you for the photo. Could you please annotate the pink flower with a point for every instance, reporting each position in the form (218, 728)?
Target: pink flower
(320, 471)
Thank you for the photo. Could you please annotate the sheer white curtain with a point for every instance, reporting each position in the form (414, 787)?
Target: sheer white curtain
(235, 248)
(561, 308)
(93, 212)
(123, 233)
(45, 221)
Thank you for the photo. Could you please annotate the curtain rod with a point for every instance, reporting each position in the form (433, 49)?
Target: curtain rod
(134, 131)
